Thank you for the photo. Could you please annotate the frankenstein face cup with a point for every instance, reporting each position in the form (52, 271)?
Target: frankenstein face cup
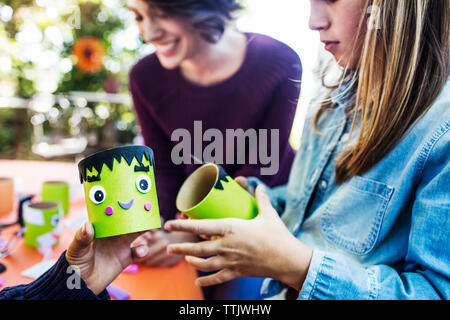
(42, 224)
(120, 191)
(210, 193)
(56, 191)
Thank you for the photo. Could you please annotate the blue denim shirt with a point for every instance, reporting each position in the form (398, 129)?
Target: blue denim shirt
(383, 235)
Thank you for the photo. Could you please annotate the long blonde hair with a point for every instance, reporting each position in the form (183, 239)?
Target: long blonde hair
(403, 67)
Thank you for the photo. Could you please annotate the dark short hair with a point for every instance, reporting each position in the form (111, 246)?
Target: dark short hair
(129, 152)
(209, 17)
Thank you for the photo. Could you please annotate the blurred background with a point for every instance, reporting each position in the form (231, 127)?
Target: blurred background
(64, 68)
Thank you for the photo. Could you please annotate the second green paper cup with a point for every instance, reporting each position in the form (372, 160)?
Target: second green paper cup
(57, 191)
(42, 224)
(120, 191)
(210, 193)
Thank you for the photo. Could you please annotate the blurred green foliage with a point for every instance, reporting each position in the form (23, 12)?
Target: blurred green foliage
(36, 42)
(6, 135)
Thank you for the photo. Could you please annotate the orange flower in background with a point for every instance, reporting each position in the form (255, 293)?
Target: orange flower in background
(89, 52)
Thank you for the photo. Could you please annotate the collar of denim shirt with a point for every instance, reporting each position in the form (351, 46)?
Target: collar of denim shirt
(345, 94)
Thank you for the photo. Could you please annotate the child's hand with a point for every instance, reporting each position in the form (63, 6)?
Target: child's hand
(261, 247)
(102, 260)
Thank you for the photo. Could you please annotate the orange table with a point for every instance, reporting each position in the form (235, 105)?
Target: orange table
(175, 283)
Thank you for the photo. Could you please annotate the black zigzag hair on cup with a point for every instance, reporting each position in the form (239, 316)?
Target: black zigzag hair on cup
(97, 160)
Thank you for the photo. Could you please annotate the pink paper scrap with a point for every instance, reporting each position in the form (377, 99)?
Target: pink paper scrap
(117, 293)
(132, 268)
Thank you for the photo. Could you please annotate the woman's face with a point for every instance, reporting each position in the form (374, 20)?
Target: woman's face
(338, 22)
(174, 39)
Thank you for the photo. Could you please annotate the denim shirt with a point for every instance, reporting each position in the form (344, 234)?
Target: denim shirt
(382, 235)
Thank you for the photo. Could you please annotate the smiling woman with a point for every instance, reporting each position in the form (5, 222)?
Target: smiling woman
(210, 17)
(181, 30)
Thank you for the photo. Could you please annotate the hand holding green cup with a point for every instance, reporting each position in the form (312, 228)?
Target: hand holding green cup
(210, 193)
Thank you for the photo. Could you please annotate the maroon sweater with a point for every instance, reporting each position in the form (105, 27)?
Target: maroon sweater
(262, 94)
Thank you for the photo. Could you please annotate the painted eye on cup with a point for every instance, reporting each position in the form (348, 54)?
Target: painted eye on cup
(97, 194)
(143, 183)
(54, 220)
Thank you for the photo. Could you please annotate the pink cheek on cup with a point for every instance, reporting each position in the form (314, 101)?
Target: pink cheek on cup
(147, 206)
(109, 211)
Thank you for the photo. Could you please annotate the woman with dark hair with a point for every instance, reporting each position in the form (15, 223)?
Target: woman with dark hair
(206, 73)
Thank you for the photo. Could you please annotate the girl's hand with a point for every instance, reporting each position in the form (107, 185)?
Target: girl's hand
(102, 260)
(261, 247)
(157, 241)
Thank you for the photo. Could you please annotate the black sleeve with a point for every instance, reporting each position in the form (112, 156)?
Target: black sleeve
(53, 285)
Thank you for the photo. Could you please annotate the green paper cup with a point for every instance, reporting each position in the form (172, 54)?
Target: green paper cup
(42, 224)
(120, 190)
(56, 191)
(210, 193)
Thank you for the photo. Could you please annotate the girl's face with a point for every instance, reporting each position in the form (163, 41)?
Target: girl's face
(174, 40)
(338, 22)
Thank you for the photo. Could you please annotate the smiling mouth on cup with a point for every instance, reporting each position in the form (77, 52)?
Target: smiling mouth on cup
(124, 205)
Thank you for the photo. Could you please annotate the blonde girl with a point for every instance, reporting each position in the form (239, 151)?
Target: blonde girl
(366, 212)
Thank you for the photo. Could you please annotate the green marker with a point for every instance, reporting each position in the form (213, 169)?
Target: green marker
(120, 190)
(210, 193)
